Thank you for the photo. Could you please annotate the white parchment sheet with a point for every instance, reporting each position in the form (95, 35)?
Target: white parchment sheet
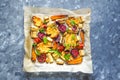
(29, 66)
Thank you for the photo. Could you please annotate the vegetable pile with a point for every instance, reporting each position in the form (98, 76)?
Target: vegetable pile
(58, 38)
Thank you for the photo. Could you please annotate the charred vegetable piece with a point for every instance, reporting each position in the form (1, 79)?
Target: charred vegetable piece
(70, 40)
(82, 36)
(55, 45)
(77, 60)
(43, 48)
(41, 58)
(74, 53)
(37, 40)
(41, 35)
(33, 56)
(37, 21)
(52, 30)
(58, 17)
(62, 28)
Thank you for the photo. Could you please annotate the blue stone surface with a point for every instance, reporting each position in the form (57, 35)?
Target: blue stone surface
(105, 39)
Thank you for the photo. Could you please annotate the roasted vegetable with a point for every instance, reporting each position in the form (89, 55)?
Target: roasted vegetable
(82, 36)
(74, 53)
(33, 56)
(70, 40)
(80, 46)
(59, 61)
(60, 48)
(49, 58)
(41, 35)
(42, 30)
(37, 21)
(33, 32)
(41, 58)
(37, 40)
(55, 45)
(72, 21)
(62, 28)
(54, 51)
(45, 40)
(82, 53)
(44, 48)
(67, 56)
(46, 20)
(77, 60)
(58, 17)
(52, 30)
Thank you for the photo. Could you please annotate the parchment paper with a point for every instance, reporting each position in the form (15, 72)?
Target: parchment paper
(29, 66)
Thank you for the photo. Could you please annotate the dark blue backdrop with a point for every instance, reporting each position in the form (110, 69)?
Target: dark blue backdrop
(105, 38)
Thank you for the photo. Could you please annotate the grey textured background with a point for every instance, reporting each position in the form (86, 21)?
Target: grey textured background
(105, 39)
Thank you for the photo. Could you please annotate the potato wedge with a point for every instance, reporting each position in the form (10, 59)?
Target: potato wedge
(37, 21)
(44, 48)
(49, 58)
(52, 30)
(59, 61)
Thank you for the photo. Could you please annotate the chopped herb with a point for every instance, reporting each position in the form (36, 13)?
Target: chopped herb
(37, 52)
(67, 30)
(45, 40)
(73, 36)
(67, 56)
(55, 51)
(42, 30)
(44, 22)
(72, 22)
(34, 44)
(67, 46)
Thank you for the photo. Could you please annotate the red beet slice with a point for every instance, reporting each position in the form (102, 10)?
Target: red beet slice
(57, 39)
(62, 28)
(41, 35)
(41, 58)
(57, 23)
(74, 28)
(74, 53)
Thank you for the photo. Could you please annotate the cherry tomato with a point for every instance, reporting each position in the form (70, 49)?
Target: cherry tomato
(37, 40)
(60, 48)
(80, 46)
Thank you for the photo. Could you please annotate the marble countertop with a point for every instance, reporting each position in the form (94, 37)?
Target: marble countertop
(105, 39)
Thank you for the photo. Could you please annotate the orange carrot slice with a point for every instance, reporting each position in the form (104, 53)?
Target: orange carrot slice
(58, 17)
